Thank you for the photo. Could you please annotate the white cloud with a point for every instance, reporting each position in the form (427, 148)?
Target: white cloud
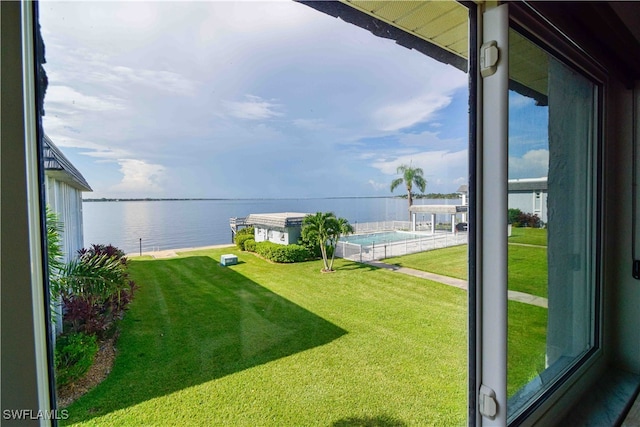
(406, 114)
(378, 186)
(532, 164)
(440, 167)
(157, 79)
(59, 97)
(254, 108)
(139, 177)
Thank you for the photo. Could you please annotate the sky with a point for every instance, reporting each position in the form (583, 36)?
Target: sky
(249, 99)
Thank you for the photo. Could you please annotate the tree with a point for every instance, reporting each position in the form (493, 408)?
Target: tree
(410, 176)
(324, 229)
(342, 228)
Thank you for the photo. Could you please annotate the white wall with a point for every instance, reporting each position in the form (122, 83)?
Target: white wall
(525, 201)
(66, 201)
(288, 236)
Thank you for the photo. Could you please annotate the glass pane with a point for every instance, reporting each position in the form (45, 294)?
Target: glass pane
(551, 277)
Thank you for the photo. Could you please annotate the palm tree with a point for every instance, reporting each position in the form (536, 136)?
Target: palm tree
(324, 229)
(342, 228)
(410, 176)
(317, 228)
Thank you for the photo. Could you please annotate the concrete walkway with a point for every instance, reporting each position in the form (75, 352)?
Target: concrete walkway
(458, 283)
(171, 253)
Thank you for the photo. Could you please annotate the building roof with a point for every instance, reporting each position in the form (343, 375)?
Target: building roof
(277, 220)
(464, 188)
(528, 184)
(438, 209)
(59, 167)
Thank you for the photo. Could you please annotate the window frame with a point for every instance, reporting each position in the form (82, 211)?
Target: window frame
(539, 30)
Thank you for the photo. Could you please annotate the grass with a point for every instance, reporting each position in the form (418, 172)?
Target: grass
(527, 266)
(526, 341)
(267, 344)
(529, 236)
(527, 324)
(451, 261)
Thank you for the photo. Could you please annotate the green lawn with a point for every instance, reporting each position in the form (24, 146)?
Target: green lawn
(527, 325)
(527, 266)
(267, 344)
(529, 236)
(526, 340)
(451, 261)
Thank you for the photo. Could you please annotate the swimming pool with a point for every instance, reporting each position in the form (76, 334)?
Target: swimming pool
(380, 238)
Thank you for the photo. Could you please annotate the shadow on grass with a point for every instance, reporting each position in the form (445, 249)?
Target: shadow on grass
(356, 266)
(193, 321)
(378, 421)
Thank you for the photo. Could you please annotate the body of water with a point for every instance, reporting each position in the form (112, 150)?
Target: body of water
(168, 224)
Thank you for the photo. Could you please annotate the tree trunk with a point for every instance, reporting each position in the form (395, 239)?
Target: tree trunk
(410, 199)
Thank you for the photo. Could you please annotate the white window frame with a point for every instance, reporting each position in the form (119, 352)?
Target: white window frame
(491, 250)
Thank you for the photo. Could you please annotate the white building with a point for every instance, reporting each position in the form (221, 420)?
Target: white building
(64, 186)
(529, 195)
(282, 228)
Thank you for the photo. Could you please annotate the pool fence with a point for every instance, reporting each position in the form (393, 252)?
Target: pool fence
(413, 244)
(380, 226)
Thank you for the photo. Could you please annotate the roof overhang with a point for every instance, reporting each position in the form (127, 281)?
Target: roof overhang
(438, 209)
(277, 220)
(57, 166)
(529, 184)
(440, 30)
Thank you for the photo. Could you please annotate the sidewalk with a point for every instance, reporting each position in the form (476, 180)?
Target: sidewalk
(459, 283)
(170, 253)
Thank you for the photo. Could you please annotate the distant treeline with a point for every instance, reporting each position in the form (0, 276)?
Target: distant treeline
(149, 199)
(434, 196)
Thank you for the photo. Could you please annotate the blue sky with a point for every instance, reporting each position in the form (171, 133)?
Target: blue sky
(245, 99)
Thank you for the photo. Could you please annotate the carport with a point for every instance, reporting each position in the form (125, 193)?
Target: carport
(434, 210)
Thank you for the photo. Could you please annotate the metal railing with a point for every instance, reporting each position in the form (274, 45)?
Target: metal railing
(378, 251)
(374, 227)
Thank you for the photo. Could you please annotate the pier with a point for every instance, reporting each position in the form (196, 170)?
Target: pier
(236, 224)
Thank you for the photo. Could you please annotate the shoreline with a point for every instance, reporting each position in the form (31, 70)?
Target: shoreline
(169, 253)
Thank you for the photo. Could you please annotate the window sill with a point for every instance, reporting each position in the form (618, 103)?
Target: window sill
(607, 402)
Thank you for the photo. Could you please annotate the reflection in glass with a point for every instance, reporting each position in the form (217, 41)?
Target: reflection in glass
(551, 278)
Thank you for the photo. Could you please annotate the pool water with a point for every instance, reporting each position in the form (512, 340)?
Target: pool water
(380, 238)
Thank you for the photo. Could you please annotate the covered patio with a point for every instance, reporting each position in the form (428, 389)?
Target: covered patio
(434, 210)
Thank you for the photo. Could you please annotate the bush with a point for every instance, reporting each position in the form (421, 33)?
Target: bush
(241, 239)
(312, 247)
(281, 253)
(250, 245)
(513, 215)
(95, 290)
(522, 219)
(248, 230)
(74, 356)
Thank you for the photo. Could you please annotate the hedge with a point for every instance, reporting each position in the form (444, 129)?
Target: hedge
(241, 239)
(250, 245)
(282, 253)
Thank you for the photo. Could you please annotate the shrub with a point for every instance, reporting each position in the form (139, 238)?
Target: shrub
(248, 230)
(74, 356)
(513, 215)
(250, 245)
(522, 219)
(529, 220)
(313, 247)
(95, 290)
(241, 239)
(281, 253)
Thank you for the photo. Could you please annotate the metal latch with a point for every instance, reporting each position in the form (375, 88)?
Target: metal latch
(489, 56)
(487, 402)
